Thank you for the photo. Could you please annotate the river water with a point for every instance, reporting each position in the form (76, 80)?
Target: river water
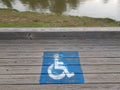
(90, 8)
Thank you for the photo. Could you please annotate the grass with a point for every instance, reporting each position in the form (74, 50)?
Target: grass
(14, 18)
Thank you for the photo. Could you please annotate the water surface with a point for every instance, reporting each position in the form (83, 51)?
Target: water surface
(90, 8)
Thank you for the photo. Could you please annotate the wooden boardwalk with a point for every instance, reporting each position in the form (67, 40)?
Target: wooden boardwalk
(21, 59)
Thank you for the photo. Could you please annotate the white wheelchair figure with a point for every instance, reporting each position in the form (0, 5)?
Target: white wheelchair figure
(59, 66)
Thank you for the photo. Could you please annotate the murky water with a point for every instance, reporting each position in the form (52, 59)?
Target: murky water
(91, 8)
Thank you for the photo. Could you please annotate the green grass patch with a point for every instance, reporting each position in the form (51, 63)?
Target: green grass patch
(14, 18)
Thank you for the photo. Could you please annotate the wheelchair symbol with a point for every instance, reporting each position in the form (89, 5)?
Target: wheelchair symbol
(59, 66)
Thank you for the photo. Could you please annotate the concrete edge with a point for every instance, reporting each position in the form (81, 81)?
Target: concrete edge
(59, 29)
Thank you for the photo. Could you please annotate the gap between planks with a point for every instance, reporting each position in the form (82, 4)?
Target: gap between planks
(62, 87)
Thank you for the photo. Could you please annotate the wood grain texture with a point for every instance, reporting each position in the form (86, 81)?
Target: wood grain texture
(34, 79)
(59, 35)
(38, 61)
(65, 29)
(21, 62)
(62, 87)
(33, 48)
(87, 69)
(39, 54)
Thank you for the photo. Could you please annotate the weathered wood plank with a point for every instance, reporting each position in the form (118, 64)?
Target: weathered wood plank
(38, 61)
(54, 41)
(34, 79)
(21, 60)
(35, 48)
(59, 35)
(80, 35)
(93, 69)
(81, 54)
(60, 29)
(62, 87)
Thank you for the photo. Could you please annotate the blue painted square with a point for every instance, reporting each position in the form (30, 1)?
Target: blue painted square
(61, 68)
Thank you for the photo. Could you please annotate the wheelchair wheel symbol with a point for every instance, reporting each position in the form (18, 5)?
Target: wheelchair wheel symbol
(59, 66)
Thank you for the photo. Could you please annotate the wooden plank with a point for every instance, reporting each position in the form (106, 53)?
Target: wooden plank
(75, 35)
(102, 61)
(81, 54)
(35, 48)
(91, 69)
(61, 87)
(34, 79)
(59, 35)
(62, 29)
(38, 61)
(62, 41)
